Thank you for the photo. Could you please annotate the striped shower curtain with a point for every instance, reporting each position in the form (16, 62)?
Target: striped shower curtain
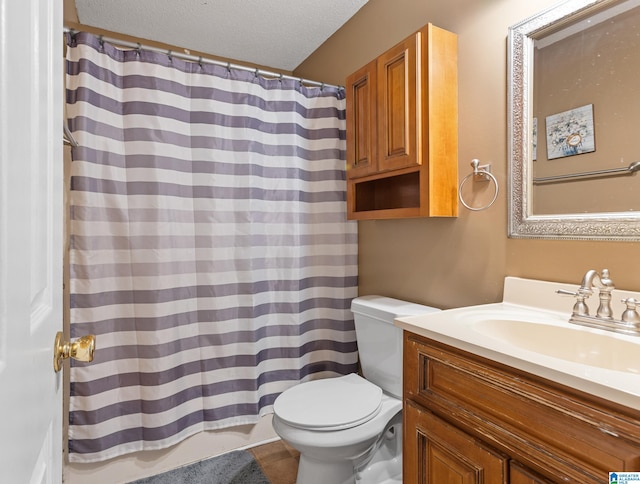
(209, 248)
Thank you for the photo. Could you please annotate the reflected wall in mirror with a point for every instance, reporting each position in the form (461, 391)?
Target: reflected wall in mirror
(574, 122)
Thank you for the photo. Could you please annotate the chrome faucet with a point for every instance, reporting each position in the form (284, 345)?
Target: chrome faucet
(629, 323)
(605, 286)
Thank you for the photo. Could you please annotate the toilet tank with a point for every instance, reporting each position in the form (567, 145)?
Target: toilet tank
(379, 341)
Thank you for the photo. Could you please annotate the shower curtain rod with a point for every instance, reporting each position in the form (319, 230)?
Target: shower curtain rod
(193, 58)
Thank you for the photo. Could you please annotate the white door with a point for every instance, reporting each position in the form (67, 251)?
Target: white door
(31, 102)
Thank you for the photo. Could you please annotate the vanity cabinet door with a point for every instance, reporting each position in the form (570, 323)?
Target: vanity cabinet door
(435, 452)
(362, 121)
(519, 474)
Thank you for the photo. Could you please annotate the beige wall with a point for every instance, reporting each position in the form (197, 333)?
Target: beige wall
(457, 262)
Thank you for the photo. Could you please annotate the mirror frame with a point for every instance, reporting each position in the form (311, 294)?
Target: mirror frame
(623, 226)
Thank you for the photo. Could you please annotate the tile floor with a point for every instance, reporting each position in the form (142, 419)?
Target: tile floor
(278, 461)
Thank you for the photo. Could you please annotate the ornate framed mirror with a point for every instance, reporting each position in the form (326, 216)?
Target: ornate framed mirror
(574, 122)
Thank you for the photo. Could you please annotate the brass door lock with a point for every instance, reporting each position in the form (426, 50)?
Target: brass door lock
(81, 349)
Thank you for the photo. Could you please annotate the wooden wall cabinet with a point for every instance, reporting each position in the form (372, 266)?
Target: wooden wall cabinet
(472, 420)
(402, 130)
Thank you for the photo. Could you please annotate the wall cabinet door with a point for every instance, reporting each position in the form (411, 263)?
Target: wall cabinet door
(399, 106)
(436, 452)
(362, 121)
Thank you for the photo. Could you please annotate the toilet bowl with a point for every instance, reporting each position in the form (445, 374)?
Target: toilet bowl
(334, 453)
(348, 429)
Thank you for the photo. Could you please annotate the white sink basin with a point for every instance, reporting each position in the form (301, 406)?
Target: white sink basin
(530, 331)
(571, 343)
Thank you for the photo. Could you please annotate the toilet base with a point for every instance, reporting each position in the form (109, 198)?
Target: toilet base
(311, 471)
(386, 465)
(383, 467)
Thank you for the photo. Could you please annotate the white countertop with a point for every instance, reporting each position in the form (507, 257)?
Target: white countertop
(535, 302)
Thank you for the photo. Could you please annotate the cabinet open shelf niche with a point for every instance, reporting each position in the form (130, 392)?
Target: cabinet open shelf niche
(388, 193)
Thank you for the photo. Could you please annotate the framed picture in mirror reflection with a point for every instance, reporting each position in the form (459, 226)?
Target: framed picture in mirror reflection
(570, 132)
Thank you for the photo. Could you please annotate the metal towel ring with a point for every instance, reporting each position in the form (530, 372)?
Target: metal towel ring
(479, 174)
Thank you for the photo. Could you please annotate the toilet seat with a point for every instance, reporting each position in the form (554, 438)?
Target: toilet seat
(329, 404)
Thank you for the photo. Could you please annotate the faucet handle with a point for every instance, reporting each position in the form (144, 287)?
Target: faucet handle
(630, 315)
(579, 308)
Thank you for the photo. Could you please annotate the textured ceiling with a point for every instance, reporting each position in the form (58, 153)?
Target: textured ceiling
(276, 33)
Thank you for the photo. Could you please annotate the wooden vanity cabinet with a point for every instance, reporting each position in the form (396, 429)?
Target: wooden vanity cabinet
(472, 420)
(402, 130)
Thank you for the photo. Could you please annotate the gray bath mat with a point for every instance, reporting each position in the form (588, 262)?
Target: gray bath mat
(237, 467)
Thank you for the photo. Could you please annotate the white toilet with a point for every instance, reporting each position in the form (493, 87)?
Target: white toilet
(349, 429)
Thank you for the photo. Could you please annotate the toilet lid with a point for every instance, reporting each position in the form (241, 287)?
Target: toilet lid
(329, 404)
